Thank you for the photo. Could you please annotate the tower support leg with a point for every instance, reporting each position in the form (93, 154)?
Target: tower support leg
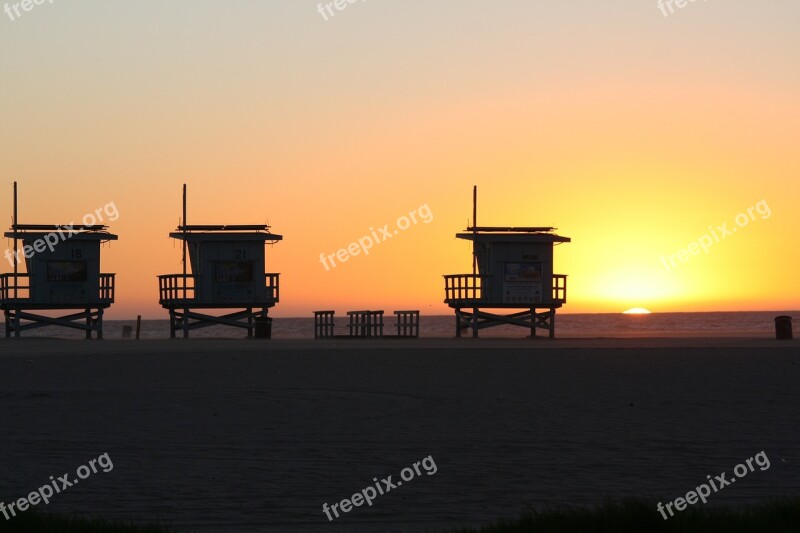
(99, 324)
(172, 324)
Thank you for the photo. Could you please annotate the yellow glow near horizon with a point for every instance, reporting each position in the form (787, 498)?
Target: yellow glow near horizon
(636, 311)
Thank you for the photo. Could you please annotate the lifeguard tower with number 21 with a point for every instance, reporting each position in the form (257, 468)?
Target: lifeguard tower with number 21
(228, 263)
(512, 268)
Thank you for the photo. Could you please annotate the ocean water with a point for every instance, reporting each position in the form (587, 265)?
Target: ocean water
(729, 324)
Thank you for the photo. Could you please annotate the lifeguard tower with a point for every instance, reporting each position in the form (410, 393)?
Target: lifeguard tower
(227, 272)
(63, 272)
(512, 268)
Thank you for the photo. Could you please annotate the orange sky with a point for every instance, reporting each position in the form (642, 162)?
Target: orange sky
(630, 131)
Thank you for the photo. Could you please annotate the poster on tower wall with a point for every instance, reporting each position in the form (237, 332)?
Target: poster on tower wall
(522, 283)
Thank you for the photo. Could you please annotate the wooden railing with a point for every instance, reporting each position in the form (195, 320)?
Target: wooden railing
(14, 288)
(324, 324)
(174, 288)
(272, 284)
(107, 282)
(460, 287)
(560, 288)
(19, 288)
(407, 323)
(470, 288)
(365, 323)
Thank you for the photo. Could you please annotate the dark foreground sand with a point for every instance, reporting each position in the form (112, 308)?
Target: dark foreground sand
(223, 435)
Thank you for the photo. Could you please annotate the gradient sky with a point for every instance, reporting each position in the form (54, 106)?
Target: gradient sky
(630, 131)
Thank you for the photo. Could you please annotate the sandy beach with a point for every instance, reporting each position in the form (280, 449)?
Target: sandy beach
(236, 435)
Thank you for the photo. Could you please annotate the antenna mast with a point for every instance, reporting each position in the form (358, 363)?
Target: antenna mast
(474, 227)
(184, 241)
(14, 229)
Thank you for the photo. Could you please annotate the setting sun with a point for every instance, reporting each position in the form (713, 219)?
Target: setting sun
(636, 311)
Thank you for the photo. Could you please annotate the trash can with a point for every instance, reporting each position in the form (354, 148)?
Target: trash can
(783, 327)
(263, 327)
(126, 332)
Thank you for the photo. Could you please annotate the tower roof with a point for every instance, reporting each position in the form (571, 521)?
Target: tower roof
(512, 234)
